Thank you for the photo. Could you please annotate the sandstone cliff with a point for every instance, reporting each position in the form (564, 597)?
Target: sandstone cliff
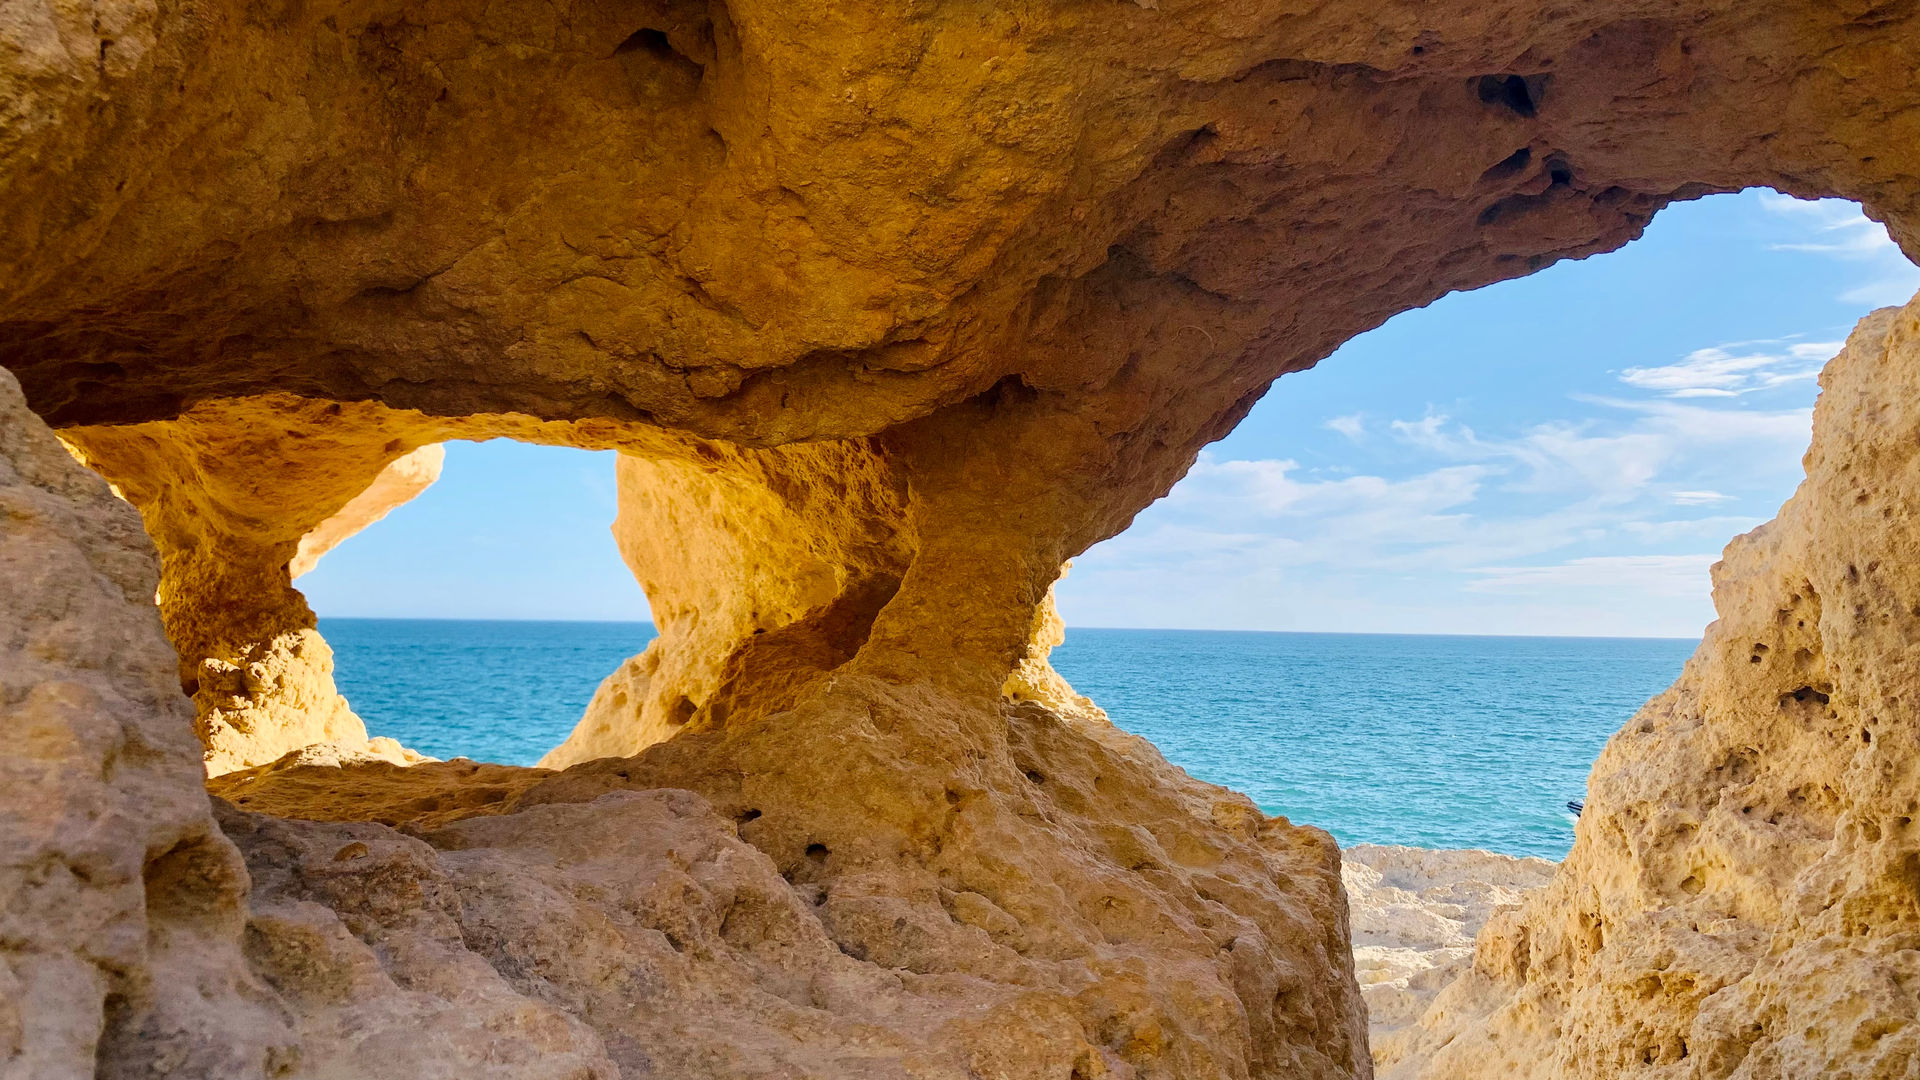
(986, 888)
(122, 905)
(1742, 901)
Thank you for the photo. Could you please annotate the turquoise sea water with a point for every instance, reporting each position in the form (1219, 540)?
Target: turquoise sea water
(1432, 741)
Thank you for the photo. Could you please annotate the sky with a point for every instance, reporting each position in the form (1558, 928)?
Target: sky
(1562, 454)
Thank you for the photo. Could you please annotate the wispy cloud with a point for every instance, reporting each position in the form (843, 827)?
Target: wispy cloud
(1502, 512)
(1665, 575)
(1697, 498)
(1734, 369)
(1353, 426)
(1841, 231)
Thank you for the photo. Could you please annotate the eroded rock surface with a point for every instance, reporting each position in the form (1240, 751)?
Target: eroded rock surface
(1742, 901)
(1096, 911)
(1414, 914)
(228, 493)
(121, 904)
(403, 480)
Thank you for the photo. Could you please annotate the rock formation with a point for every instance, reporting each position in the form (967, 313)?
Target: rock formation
(1742, 901)
(1414, 914)
(230, 493)
(121, 903)
(985, 888)
(404, 478)
(891, 311)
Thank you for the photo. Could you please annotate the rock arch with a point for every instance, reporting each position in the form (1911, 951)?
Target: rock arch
(946, 294)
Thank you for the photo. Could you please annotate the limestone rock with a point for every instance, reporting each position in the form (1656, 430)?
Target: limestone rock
(891, 311)
(1742, 901)
(404, 478)
(772, 224)
(228, 504)
(1414, 913)
(765, 570)
(770, 935)
(329, 782)
(121, 903)
(1033, 678)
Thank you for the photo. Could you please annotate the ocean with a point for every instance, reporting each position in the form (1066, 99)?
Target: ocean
(1457, 742)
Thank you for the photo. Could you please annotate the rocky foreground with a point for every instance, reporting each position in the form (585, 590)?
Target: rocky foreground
(1414, 913)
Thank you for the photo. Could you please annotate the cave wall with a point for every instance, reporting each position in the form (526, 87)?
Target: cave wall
(230, 493)
(123, 904)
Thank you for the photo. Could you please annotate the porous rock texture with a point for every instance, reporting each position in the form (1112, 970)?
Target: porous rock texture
(121, 904)
(1414, 913)
(891, 310)
(1742, 901)
(229, 501)
(980, 891)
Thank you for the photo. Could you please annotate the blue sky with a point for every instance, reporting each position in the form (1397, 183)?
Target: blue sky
(1562, 454)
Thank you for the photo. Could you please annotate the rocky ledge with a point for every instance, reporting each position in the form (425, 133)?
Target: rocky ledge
(1414, 913)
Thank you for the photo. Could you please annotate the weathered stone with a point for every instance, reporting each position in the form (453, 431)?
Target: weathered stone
(121, 903)
(1414, 913)
(1742, 901)
(403, 479)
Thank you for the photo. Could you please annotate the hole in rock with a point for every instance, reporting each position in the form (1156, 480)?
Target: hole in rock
(478, 618)
(648, 40)
(1411, 596)
(1515, 92)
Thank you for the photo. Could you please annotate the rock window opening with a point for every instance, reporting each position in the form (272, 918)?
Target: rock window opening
(480, 618)
(1519, 545)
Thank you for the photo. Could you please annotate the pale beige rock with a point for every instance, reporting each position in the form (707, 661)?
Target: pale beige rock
(121, 903)
(1414, 914)
(704, 944)
(1742, 901)
(404, 478)
(1034, 679)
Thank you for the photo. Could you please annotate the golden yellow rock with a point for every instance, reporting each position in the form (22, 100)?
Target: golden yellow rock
(403, 479)
(230, 492)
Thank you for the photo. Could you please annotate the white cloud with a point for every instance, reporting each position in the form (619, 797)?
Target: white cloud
(1841, 231)
(1897, 286)
(1721, 371)
(1700, 426)
(1268, 542)
(1598, 521)
(1664, 575)
(1353, 426)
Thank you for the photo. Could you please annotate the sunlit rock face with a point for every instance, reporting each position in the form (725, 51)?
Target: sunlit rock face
(1743, 896)
(891, 311)
(1414, 914)
(230, 492)
(123, 905)
(403, 479)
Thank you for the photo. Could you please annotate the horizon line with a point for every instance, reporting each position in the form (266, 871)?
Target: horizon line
(1069, 626)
